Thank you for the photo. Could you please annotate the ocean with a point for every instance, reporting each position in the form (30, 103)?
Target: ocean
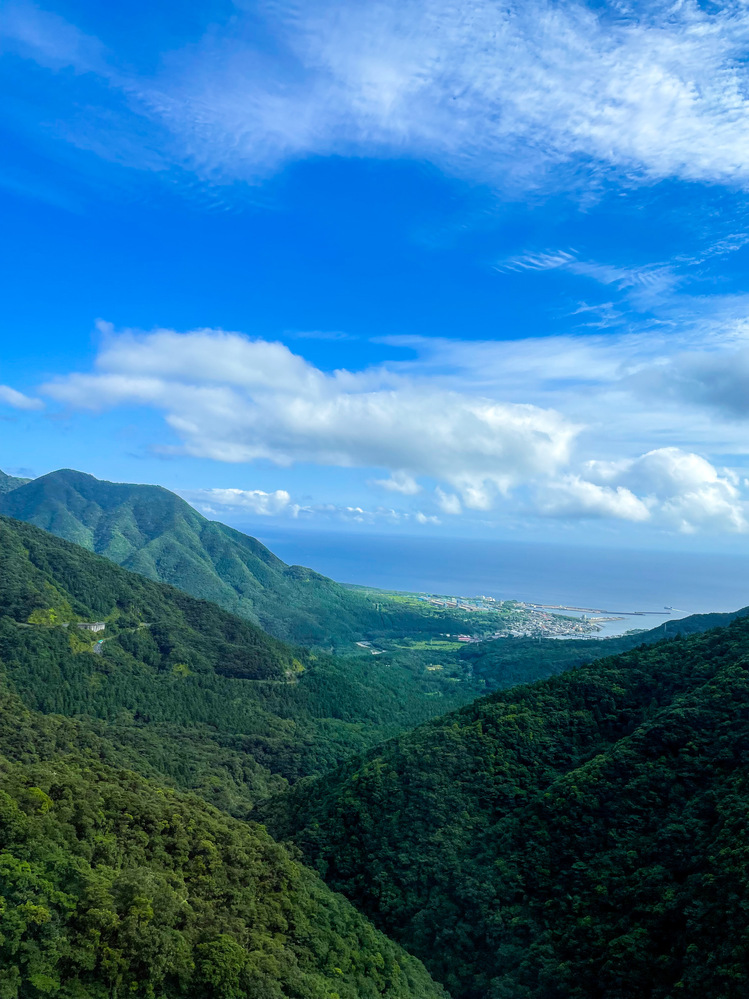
(616, 580)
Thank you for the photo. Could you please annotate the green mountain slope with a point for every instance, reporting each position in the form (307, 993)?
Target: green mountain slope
(114, 886)
(152, 531)
(9, 482)
(583, 836)
(202, 698)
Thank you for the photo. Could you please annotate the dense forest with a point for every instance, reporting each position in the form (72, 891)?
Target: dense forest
(111, 885)
(582, 836)
(576, 837)
(204, 697)
(153, 532)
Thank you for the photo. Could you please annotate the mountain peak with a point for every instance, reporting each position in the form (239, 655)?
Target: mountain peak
(155, 532)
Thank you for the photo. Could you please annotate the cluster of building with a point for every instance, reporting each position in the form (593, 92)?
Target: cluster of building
(537, 624)
(524, 620)
(464, 603)
(530, 623)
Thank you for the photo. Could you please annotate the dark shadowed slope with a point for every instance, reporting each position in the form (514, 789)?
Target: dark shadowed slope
(584, 836)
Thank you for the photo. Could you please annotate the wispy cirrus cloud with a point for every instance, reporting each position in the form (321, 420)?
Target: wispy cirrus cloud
(49, 39)
(17, 400)
(545, 260)
(517, 95)
(646, 285)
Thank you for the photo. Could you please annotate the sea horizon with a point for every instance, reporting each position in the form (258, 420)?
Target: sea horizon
(659, 585)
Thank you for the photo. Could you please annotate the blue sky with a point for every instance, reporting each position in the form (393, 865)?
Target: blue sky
(417, 266)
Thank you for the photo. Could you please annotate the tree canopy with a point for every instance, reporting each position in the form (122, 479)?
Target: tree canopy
(112, 886)
(581, 836)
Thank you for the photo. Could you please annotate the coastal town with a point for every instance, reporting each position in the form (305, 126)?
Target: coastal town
(524, 620)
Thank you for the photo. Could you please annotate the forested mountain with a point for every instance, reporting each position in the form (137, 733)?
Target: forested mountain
(9, 482)
(152, 531)
(583, 836)
(186, 690)
(578, 837)
(111, 885)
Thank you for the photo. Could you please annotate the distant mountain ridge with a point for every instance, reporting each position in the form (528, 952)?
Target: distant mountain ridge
(10, 482)
(150, 530)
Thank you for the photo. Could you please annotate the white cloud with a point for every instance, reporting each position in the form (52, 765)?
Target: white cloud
(638, 390)
(246, 500)
(669, 487)
(235, 399)
(572, 496)
(645, 285)
(48, 38)
(598, 440)
(500, 92)
(680, 488)
(400, 482)
(717, 379)
(448, 502)
(233, 502)
(549, 260)
(660, 90)
(423, 518)
(11, 397)
(362, 515)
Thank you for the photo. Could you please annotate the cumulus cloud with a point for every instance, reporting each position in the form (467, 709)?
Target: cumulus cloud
(400, 482)
(253, 501)
(497, 91)
(236, 399)
(17, 400)
(234, 502)
(678, 488)
(448, 502)
(363, 515)
(572, 496)
(424, 518)
(669, 487)
(448, 425)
